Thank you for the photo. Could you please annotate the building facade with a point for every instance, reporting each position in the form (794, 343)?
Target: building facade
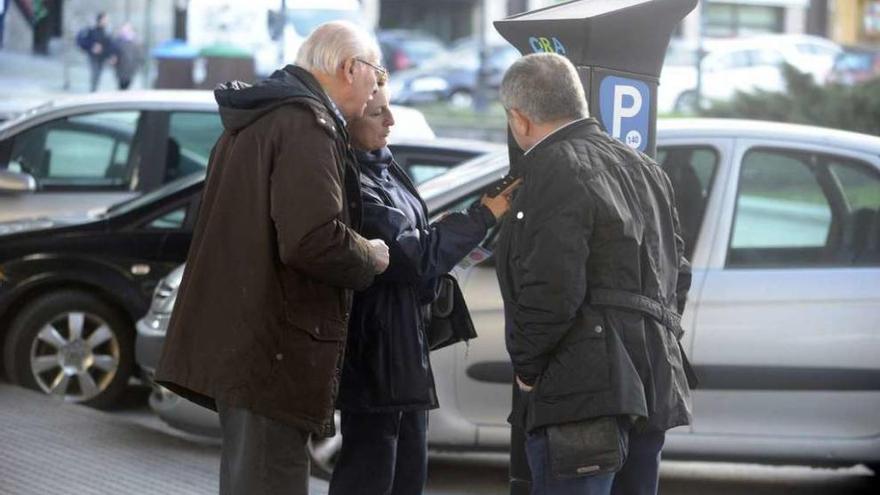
(856, 22)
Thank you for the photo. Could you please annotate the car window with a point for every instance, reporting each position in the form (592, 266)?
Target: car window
(765, 57)
(783, 217)
(191, 136)
(421, 49)
(691, 170)
(732, 60)
(860, 185)
(172, 220)
(853, 61)
(83, 150)
(420, 172)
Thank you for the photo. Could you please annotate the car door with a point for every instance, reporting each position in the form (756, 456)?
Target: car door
(786, 340)
(483, 371)
(160, 240)
(78, 162)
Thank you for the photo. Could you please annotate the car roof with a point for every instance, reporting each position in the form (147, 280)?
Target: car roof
(147, 98)
(739, 128)
(192, 100)
(413, 123)
(482, 170)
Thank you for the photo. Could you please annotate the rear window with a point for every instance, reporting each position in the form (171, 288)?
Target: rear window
(854, 61)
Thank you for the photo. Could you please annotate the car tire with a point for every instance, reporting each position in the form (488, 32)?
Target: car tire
(324, 452)
(73, 345)
(461, 98)
(686, 102)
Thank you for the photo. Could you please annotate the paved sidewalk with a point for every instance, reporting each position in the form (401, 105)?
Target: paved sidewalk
(49, 448)
(27, 80)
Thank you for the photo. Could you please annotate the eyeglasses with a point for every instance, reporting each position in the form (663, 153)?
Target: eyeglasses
(381, 72)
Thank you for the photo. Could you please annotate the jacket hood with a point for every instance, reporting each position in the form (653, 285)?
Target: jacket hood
(242, 103)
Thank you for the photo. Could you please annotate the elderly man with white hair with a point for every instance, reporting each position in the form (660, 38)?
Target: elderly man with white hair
(593, 276)
(259, 325)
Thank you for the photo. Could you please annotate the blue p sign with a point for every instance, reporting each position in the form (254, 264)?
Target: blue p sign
(625, 106)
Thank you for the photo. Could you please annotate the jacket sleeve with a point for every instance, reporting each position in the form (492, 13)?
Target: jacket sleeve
(419, 255)
(306, 196)
(683, 283)
(553, 251)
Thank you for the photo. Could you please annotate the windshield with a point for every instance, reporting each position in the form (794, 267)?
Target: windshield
(306, 20)
(166, 190)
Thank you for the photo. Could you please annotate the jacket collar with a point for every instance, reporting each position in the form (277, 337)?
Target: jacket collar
(584, 126)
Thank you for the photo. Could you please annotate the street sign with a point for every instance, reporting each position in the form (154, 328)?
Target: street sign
(624, 110)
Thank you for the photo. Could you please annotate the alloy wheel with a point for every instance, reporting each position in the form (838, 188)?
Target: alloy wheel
(75, 356)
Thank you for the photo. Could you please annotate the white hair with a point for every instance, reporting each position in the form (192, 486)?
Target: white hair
(332, 43)
(545, 87)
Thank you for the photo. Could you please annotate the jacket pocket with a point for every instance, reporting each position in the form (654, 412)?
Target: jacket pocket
(319, 328)
(580, 364)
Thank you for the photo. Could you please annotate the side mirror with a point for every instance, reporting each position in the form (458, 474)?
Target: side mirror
(17, 182)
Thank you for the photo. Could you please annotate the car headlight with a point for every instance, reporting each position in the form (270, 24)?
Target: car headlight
(163, 299)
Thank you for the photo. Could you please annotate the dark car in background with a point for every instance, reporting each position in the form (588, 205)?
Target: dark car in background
(452, 77)
(73, 285)
(855, 66)
(406, 49)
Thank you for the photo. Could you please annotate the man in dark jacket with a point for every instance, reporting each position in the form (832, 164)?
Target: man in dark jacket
(99, 48)
(259, 326)
(593, 275)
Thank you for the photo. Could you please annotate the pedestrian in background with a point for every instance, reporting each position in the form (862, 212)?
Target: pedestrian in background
(259, 326)
(129, 55)
(593, 277)
(387, 383)
(99, 48)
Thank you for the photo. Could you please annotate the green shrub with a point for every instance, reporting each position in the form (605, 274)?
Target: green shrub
(853, 108)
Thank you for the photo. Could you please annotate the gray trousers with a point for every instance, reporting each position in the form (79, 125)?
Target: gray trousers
(261, 456)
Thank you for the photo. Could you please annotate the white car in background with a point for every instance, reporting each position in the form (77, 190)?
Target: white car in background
(88, 152)
(782, 225)
(743, 64)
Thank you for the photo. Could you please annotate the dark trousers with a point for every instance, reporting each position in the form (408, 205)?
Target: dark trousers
(382, 454)
(261, 456)
(96, 67)
(640, 474)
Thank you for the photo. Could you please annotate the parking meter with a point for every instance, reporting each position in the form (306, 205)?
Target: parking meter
(618, 47)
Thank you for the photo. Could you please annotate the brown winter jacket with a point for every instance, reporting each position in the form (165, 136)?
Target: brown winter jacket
(261, 315)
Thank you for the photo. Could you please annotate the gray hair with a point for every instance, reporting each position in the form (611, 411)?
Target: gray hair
(332, 43)
(545, 87)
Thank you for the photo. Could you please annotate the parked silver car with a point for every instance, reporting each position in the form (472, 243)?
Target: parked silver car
(782, 224)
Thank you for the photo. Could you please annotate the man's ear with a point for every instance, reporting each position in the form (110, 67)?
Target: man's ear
(521, 123)
(347, 70)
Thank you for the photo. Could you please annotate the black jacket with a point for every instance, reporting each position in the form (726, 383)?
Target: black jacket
(594, 218)
(261, 314)
(387, 366)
